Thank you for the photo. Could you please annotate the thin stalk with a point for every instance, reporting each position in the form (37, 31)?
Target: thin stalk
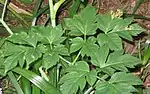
(6, 26)
(34, 21)
(15, 13)
(89, 90)
(58, 72)
(76, 58)
(53, 10)
(55, 76)
(139, 50)
(57, 5)
(68, 62)
(51, 6)
(2, 19)
(15, 83)
(4, 9)
(43, 74)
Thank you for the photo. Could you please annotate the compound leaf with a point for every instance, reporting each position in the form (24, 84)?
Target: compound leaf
(119, 83)
(32, 54)
(75, 78)
(83, 23)
(50, 35)
(112, 40)
(115, 61)
(77, 44)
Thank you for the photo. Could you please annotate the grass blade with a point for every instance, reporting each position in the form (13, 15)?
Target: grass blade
(35, 90)
(25, 84)
(138, 3)
(74, 7)
(37, 80)
(15, 83)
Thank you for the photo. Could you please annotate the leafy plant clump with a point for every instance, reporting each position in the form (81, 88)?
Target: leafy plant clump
(84, 54)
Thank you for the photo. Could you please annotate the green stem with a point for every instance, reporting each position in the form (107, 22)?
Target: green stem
(43, 74)
(6, 26)
(4, 9)
(53, 10)
(2, 19)
(136, 16)
(68, 62)
(15, 83)
(89, 90)
(16, 14)
(76, 58)
(57, 5)
(51, 6)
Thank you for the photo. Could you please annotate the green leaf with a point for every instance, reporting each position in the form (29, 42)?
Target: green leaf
(115, 61)
(122, 61)
(135, 29)
(12, 61)
(75, 79)
(14, 54)
(120, 83)
(112, 40)
(128, 32)
(125, 35)
(24, 38)
(100, 56)
(18, 38)
(50, 60)
(138, 3)
(122, 77)
(15, 82)
(91, 77)
(84, 23)
(108, 88)
(89, 47)
(106, 23)
(2, 67)
(38, 81)
(2, 40)
(74, 7)
(26, 1)
(25, 85)
(32, 54)
(121, 27)
(51, 56)
(61, 49)
(146, 56)
(18, 54)
(77, 44)
(52, 35)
